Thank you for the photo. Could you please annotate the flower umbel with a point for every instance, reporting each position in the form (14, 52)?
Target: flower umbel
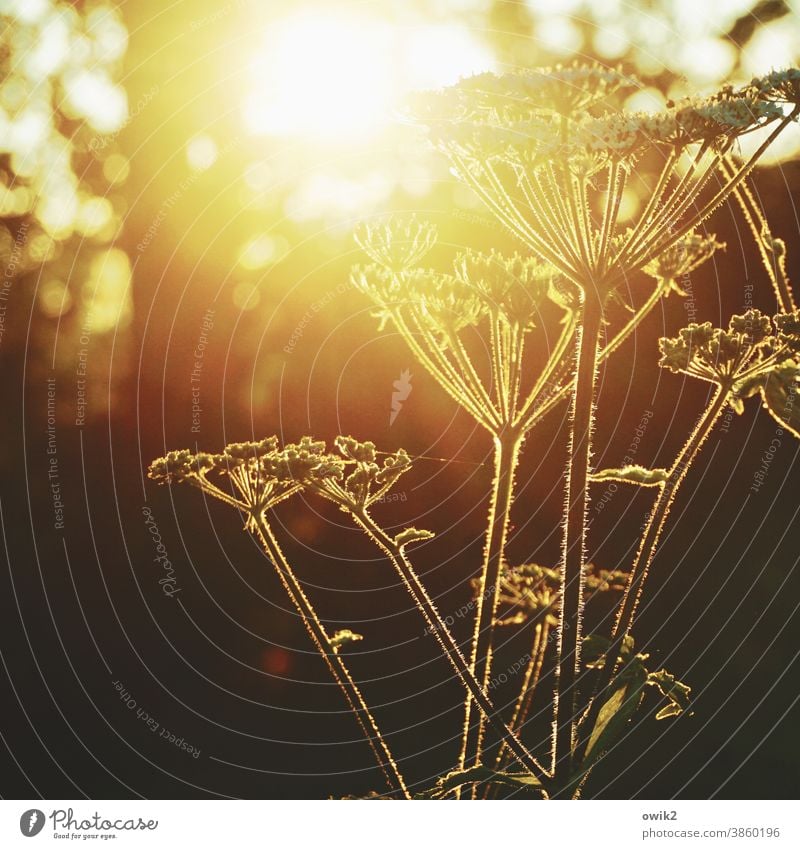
(398, 244)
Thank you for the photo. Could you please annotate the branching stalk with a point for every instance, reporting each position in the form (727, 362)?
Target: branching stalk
(330, 655)
(439, 629)
(761, 234)
(506, 456)
(723, 193)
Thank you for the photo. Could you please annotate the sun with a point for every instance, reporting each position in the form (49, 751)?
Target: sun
(335, 77)
(321, 76)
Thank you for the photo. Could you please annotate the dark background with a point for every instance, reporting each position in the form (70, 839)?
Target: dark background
(226, 664)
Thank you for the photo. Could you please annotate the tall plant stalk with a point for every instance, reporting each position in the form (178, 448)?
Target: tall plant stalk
(438, 627)
(330, 655)
(506, 457)
(574, 538)
(551, 160)
(772, 251)
(530, 683)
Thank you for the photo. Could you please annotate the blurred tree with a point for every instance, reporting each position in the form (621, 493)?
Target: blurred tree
(61, 107)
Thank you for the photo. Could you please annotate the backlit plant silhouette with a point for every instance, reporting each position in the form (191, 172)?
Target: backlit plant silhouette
(551, 157)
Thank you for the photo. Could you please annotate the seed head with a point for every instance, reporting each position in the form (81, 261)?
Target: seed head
(397, 244)
(748, 347)
(681, 259)
(512, 287)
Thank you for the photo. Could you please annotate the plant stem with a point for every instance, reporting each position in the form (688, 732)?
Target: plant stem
(329, 654)
(644, 558)
(574, 541)
(762, 235)
(534, 416)
(697, 217)
(533, 671)
(555, 360)
(439, 629)
(506, 456)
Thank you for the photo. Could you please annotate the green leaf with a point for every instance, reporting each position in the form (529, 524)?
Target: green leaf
(632, 474)
(480, 775)
(343, 637)
(678, 694)
(736, 404)
(410, 535)
(594, 648)
(780, 394)
(749, 387)
(615, 713)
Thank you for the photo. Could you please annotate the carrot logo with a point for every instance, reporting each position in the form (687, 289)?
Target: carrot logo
(402, 389)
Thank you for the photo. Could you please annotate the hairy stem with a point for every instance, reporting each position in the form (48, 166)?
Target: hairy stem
(329, 654)
(555, 360)
(506, 456)
(439, 629)
(574, 540)
(533, 671)
(696, 218)
(763, 238)
(537, 414)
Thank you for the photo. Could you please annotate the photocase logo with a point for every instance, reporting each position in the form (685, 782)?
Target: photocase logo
(402, 389)
(31, 822)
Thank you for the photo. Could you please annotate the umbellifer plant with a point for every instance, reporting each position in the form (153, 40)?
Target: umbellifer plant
(550, 157)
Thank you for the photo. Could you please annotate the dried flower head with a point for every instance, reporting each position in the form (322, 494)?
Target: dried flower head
(253, 469)
(563, 89)
(445, 304)
(687, 254)
(750, 357)
(531, 591)
(442, 303)
(719, 356)
(716, 120)
(778, 86)
(528, 592)
(370, 480)
(512, 287)
(397, 244)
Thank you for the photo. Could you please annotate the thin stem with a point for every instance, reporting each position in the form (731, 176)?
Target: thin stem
(203, 483)
(526, 684)
(444, 373)
(329, 654)
(439, 629)
(586, 220)
(553, 363)
(644, 558)
(517, 334)
(580, 231)
(559, 395)
(557, 201)
(533, 672)
(669, 210)
(545, 215)
(506, 456)
(652, 203)
(616, 185)
(538, 240)
(574, 541)
(499, 365)
(716, 200)
(471, 377)
(512, 219)
(761, 231)
(653, 298)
